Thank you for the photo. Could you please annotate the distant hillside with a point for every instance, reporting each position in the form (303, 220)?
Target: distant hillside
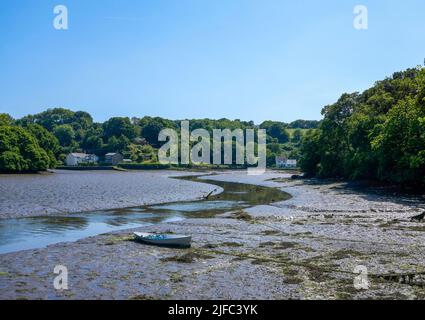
(54, 133)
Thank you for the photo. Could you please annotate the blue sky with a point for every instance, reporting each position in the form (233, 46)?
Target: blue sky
(239, 59)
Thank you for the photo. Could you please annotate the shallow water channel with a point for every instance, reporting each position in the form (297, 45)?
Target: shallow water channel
(36, 232)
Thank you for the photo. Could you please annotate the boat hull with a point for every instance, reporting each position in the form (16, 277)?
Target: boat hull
(167, 240)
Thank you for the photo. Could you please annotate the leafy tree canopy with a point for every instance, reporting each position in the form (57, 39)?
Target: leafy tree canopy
(20, 151)
(378, 134)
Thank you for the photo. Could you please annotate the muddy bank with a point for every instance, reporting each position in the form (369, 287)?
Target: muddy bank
(305, 248)
(17, 234)
(64, 192)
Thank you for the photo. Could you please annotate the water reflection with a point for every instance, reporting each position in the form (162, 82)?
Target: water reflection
(28, 233)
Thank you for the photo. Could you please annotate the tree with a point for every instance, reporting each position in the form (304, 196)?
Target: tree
(47, 141)
(151, 131)
(119, 127)
(400, 144)
(140, 153)
(117, 144)
(92, 142)
(310, 153)
(19, 151)
(377, 134)
(276, 130)
(65, 134)
(297, 136)
(5, 119)
(49, 118)
(304, 124)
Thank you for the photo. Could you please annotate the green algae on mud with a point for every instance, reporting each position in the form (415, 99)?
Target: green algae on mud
(240, 259)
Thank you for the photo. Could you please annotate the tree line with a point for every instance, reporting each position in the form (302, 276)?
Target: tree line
(41, 141)
(378, 134)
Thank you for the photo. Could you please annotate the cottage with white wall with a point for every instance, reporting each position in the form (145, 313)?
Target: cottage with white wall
(113, 158)
(283, 162)
(75, 159)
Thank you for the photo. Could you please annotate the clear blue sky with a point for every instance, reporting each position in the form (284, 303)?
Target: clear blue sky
(247, 59)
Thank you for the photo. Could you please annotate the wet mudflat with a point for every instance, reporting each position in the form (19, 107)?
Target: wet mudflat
(64, 192)
(18, 234)
(307, 247)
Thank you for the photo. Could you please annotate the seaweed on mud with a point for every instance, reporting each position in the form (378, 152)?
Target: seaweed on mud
(242, 215)
(278, 245)
(307, 249)
(113, 240)
(343, 254)
(224, 244)
(388, 224)
(260, 261)
(293, 280)
(188, 257)
(175, 277)
(286, 245)
(91, 275)
(317, 274)
(291, 275)
(232, 244)
(239, 258)
(266, 244)
(307, 233)
(141, 297)
(412, 279)
(210, 246)
(279, 179)
(270, 232)
(416, 228)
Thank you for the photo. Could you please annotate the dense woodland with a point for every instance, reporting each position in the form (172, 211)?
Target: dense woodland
(41, 141)
(378, 134)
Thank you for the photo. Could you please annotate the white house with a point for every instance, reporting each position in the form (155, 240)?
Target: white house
(113, 158)
(75, 159)
(283, 162)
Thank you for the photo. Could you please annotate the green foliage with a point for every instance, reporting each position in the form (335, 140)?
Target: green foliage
(60, 131)
(117, 127)
(400, 144)
(310, 153)
(65, 134)
(304, 124)
(47, 141)
(5, 119)
(117, 144)
(139, 153)
(52, 118)
(151, 131)
(20, 151)
(378, 134)
(297, 136)
(276, 131)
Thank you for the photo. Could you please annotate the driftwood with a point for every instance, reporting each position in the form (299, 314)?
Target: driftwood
(297, 176)
(419, 217)
(209, 194)
(413, 279)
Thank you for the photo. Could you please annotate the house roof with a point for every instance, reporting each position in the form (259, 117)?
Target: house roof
(80, 155)
(280, 158)
(111, 154)
(76, 154)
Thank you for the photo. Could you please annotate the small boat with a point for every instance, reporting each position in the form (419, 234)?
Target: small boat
(169, 240)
